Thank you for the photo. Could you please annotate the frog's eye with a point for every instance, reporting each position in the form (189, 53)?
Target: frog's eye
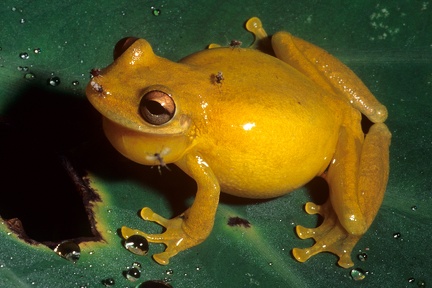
(157, 107)
(122, 45)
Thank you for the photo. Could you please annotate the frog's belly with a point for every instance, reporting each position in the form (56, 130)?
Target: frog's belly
(272, 163)
(266, 175)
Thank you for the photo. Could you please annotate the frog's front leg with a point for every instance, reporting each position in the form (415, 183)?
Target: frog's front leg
(195, 224)
(357, 179)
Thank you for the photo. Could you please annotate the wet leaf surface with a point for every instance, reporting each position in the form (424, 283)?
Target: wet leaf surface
(47, 51)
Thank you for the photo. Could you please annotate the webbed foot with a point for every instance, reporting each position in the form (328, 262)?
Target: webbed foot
(174, 237)
(330, 236)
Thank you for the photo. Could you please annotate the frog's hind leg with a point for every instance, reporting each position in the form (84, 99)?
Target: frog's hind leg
(358, 174)
(357, 180)
(329, 73)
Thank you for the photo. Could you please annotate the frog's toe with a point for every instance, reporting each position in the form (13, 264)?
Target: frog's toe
(149, 215)
(127, 232)
(303, 232)
(163, 258)
(330, 236)
(312, 208)
(302, 255)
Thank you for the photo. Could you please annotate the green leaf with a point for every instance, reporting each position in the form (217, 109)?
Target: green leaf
(387, 45)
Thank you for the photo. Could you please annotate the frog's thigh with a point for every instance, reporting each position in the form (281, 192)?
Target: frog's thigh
(329, 73)
(358, 177)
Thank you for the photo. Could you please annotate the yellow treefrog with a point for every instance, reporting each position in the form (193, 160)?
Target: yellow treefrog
(251, 124)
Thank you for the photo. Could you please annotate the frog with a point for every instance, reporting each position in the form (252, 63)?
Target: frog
(257, 122)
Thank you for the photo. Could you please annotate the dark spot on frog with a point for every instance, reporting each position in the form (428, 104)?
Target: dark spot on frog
(235, 43)
(237, 221)
(217, 78)
(162, 163)
(159, 158)
(97, 87)
(95, 72)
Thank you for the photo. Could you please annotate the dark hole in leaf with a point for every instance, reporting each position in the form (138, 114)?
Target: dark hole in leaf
(43, 195)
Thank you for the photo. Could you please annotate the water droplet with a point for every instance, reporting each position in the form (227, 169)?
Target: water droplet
(154, 284)
(421, 283)
(37, 50)
(357, 274)
(169, 272)
(270, 263)
(411, 280)
(198, 268)
(24, 55)
(54, 81)
(397, 235)
(414, 208)
(2, 265)
(91, 252)
(108, 282)
(68, 250)
(137, 265)
(137, 244)
(75, 83)
(133, 274)
(156, 11)
(29, 76)
(362, 256)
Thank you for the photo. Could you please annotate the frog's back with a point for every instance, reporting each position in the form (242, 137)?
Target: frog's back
(248, 76)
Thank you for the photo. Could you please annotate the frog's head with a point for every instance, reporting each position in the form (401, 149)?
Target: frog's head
(141, 117)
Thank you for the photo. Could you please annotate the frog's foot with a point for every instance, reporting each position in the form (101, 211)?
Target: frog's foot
(329, 237)
(175, 238)
(261, 41)
(254, 25)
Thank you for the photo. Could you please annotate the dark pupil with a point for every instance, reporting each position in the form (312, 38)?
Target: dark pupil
(155, 108)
